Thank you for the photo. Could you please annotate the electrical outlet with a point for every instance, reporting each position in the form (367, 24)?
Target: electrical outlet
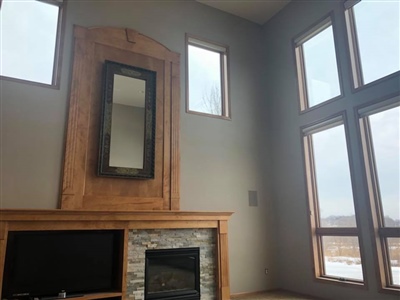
(266, 271)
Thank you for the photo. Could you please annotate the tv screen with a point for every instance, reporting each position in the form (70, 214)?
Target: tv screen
(43, 263)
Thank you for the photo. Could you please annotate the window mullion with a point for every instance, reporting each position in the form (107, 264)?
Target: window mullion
(337, 231)
(370, 164)
(354, 49)
(222, 72)
(301, 77)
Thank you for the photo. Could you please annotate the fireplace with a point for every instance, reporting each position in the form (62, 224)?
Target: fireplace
(172, 274)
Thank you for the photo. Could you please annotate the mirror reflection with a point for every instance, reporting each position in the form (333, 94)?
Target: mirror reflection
(128, 122)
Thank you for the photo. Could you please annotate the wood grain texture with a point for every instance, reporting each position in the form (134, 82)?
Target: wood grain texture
(223, 261)
(82, 188)
(3, 244)
(175, 128)
(166, 137)
(23, 220)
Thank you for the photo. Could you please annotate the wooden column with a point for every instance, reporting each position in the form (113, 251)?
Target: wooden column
(223, 261)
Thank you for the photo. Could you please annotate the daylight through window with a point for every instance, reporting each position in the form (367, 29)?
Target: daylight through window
(330, 193)
(374, 37)
(317, 65)
(381, 145)
(207, 78)
(30, 33)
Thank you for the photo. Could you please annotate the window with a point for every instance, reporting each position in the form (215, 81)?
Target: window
(333, 220)
(374, 38)
(381, 142)
(30, 40)
(335, 182)
(317, 65)
(207, 78)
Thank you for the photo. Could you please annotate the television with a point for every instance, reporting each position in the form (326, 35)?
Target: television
(41, 264)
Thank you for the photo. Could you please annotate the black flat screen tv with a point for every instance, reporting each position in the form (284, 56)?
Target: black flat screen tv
(44, 263)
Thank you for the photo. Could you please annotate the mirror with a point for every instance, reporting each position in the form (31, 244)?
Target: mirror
(127, 122)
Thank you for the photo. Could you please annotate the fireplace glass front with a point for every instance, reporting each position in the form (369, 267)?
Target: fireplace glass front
(172, 274)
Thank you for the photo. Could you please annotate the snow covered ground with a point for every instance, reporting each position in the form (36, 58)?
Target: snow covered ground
(354, 271)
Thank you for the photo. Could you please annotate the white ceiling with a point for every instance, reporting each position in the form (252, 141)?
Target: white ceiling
(258, 11)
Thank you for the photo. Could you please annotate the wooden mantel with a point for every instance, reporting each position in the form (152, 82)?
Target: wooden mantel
(22, 220)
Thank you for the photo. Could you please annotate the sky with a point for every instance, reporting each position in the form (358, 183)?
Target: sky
(27, 42)
(204, 74)
(385, 130)
(27, 51)
(380, 48)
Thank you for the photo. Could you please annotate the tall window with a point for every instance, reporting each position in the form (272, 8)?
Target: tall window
(317, 65)
(374, 37)
(333, 219)
(381, 146)
(30, 40)
(207, 78)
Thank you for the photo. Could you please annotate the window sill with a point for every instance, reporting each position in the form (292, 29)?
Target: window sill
(336, 281)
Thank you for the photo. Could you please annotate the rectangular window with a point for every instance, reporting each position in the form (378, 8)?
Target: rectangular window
(207, 78)
(333, 222)
(374, 37)
(381, 145)
(317, 69)
(30, 40)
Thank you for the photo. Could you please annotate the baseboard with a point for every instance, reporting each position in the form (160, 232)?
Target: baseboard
(246, 294)
(239, 295)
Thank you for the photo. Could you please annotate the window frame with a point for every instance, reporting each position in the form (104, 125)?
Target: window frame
(354, 50)
(297, 43)
(316, 230)
(380, 232)
(57, 62)
(223, 51)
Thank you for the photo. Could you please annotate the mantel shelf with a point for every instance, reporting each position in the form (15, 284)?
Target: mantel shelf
(79, 215)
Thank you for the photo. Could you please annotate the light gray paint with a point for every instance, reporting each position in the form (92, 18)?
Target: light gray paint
(220, 160)
(288, 182)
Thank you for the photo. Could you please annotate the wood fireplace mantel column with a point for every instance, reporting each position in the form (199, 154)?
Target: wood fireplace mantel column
(39, 220)
(223, 260)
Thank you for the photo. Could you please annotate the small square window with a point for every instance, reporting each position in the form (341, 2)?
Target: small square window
(317, 69)
(207, 78)
(30, 33)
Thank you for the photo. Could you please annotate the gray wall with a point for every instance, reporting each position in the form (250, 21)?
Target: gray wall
(220, 160)
(288, 182)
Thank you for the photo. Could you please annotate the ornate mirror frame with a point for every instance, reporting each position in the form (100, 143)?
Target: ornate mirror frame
(149, 77)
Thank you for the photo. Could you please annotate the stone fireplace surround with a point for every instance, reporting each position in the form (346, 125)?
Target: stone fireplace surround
(142, 230)
(141, 240)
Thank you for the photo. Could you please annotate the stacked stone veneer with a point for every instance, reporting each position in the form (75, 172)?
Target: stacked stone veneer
(142, 239)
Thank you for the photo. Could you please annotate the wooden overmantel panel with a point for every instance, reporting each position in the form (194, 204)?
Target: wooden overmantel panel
(82, 189)
(36, 220)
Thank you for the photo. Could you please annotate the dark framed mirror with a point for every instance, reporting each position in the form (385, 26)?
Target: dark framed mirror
(127, 129)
